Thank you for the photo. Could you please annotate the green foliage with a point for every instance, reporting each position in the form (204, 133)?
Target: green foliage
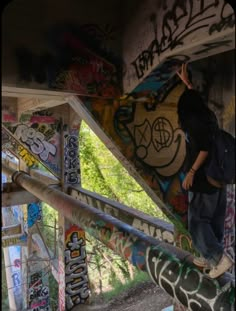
(53, 290)
(91, 174)
(104, 265)
(50, 219)
(101, 172)
(49, 214)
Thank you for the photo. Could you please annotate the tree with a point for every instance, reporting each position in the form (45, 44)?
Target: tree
(102, 173)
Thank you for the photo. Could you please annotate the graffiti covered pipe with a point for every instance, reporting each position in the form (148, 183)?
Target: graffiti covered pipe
(168, 266)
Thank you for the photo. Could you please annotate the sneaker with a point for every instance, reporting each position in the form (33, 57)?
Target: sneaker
(224, 264)
(201, 262)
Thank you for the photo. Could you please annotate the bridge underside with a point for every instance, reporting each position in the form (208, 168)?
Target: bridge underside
(114, 67)
(164, 262)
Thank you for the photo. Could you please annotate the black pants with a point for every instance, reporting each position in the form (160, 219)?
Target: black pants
(206, 217)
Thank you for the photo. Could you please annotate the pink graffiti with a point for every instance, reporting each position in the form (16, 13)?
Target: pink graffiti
(39, 304)
(42, 119)
(61, 284)
(230, 218)
(229, 241)
(88, 72)
(9, 118)
(229, 236)
(17, 263)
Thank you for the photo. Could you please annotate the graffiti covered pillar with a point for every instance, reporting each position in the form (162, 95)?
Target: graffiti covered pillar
(14, 239)
(73, 272)
(7, 262)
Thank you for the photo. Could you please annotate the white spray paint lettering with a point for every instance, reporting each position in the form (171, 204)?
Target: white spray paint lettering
(35, 141)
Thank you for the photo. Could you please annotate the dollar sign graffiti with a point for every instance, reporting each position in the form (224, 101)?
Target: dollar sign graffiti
(163, 128)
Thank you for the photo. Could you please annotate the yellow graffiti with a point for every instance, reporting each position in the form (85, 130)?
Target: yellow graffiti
(25, 212)
(7, 231)
(11, 241)
(184, 242)
(26, 156)
(46, 131)
(173, 97)
(73, 236)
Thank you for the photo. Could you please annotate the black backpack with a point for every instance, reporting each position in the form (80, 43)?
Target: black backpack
(221, 166)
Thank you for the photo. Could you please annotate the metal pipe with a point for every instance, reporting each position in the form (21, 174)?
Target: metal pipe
(7, 170)
(150, 225)
(168, 266)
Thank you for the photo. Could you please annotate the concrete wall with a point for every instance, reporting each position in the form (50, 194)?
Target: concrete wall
(143, 127)
(51, 35)
(90, 48)
(215, 78)
(146, 131)
(184, 30)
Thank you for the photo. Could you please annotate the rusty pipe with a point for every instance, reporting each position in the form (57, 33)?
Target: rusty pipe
(168, 266)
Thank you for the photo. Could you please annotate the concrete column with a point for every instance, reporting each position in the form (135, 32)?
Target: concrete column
(72, 243)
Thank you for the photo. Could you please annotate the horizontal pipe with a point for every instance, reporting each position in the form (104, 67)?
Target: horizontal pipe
(168, 266)
(124, 213)
(7, 170)
(46, 177)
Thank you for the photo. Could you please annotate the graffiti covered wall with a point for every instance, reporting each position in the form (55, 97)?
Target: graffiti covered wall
(229, 237)
(36, 138)
(77, 48)
(152, 141)
(158, 229)
(71, 157)
(178, 29)
(177, 277)
(38, 290)
(148, 135)
(76, 274)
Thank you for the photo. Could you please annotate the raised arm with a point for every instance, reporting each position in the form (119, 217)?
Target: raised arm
(183, 74)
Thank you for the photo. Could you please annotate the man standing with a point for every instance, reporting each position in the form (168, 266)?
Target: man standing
(207, 202)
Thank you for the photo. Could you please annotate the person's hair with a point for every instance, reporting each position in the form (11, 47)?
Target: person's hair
(192, 110)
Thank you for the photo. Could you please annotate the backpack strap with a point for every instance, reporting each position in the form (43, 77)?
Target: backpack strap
(214, 182)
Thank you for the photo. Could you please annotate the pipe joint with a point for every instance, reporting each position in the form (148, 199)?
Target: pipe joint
(15, 175)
